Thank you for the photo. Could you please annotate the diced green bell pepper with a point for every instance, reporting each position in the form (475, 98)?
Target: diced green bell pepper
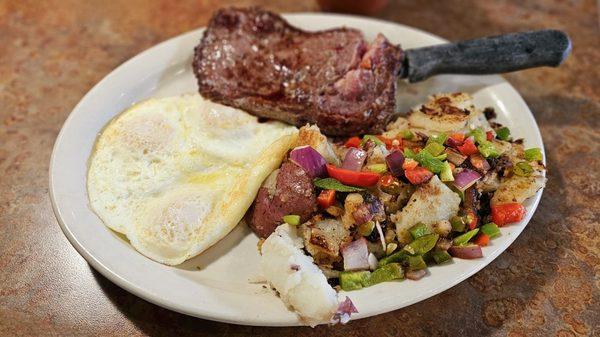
(292, 219)
(464, 238)
(522, 169)
(440, 138)
(377, 168)
(533, 154)
(353, 280)
(434, 148)
(388, 272)
(422, 245)
(479, 135)
(399, 256)
(407, 134)
(490, 229)
(416, 262)
(419, 230)
(334, 184)
(458, 223)
(440, 256)
(372, 138)
(487, 149)
(446, 174)
(428, 161)
(408, 153)
(503, 133)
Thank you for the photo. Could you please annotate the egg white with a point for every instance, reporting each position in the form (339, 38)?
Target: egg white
(176, 174)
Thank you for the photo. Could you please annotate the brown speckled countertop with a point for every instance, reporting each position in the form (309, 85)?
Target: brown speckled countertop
(51, 53)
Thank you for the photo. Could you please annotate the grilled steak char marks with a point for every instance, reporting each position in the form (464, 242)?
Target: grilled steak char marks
(254, 60)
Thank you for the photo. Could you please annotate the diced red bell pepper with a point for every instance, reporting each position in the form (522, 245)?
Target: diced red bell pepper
(473, 220)
(418, 175)
(385, 140)
(482, 239)
(458, 137)
(468, 147)
(507, 213)
(389, 142)
(489, 135)
(451, 142)
(386, 180)
(326, 198)
(455, 140)
(353, 142)
(409, 164)
(353, 178)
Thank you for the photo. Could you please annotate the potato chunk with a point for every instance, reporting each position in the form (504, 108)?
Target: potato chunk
(300, 283)
(431, 202)
(323, 239)
(443, 113)
(312, 136)
(516, 189)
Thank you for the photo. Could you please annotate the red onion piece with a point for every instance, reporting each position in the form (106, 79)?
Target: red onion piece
(354, 159)
(356, 255)
(394, 163)
(381, 236)
(466, 252)
(415, 274)
(465, 179)
(455, 157)
(375, 207)
(345, 309)
(453, 142)
(310, 160)
(372, 261)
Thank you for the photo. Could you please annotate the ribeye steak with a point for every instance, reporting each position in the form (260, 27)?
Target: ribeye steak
(254, 60)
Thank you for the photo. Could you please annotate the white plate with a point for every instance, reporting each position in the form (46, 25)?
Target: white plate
(217, 285)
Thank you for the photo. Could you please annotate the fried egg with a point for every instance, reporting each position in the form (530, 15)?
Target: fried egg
(176, 174)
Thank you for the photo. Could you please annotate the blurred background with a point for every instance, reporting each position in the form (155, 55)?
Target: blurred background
(52, 52)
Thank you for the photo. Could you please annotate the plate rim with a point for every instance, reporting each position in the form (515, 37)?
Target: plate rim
(207, 314)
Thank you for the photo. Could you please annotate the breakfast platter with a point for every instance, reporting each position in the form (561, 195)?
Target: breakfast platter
(168, 193)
